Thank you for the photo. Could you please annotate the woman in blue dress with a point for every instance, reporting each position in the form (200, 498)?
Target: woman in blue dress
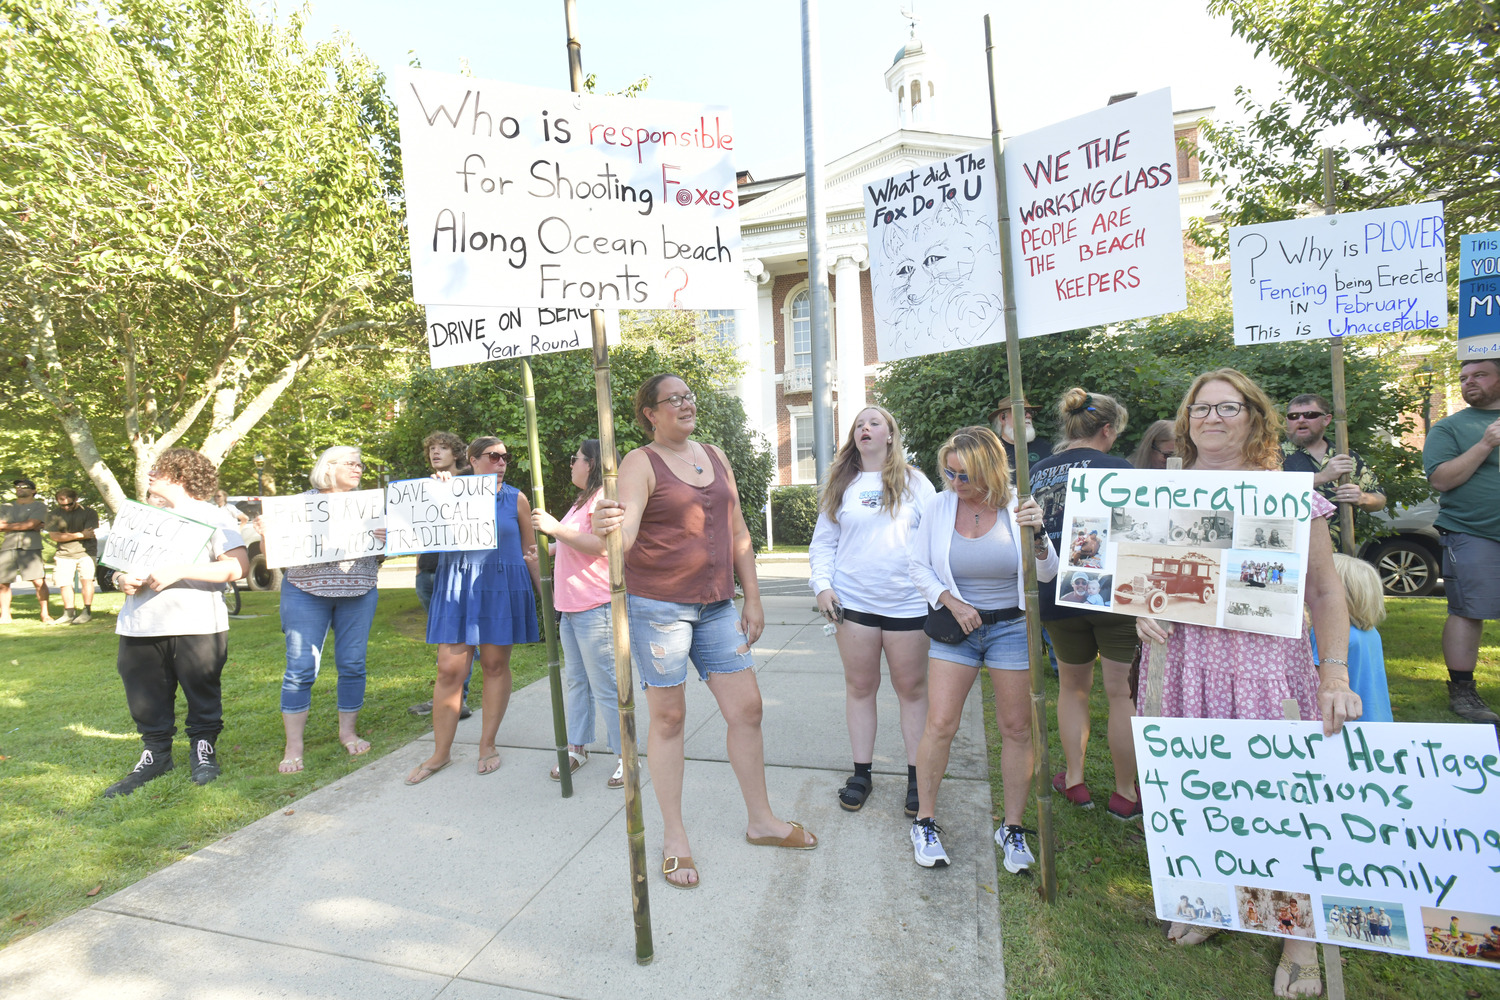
(484, 599)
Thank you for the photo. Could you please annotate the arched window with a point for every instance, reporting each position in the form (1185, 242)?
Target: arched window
(929, 88)
(802, 330)
(901, 94)
(916, 92)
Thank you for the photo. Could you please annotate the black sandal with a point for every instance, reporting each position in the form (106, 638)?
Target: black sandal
(912, 802)
(856, 789)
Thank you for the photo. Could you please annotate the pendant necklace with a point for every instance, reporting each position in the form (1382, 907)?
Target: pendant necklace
(696, 467)
(976, 519)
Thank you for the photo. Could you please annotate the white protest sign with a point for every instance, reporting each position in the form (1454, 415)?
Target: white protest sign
(142, 538)
(523, 196)
(1096, 224)
(441, 515)
(1381, 271)
(307, 528)
(469, 335)
(935, 257)
(1271, 827)
(1222, 549)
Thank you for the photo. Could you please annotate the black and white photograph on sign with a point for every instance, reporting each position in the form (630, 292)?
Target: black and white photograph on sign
(1274, 533)
(935, 258)
(1079, 587)
(1459, 934)
(1184, 901)
(1148, 526)
(1378, 923)
(1272, 911)
(1086, 539)
(1175, 583)
(1214, 528)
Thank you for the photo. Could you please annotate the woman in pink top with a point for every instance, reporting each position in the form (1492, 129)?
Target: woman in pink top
(580, 595)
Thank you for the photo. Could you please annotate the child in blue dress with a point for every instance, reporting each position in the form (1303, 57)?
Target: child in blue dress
(1366, 652)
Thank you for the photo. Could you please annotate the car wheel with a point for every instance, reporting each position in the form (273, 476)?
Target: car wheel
(1156, 602)
(262, 577)
(1406, 568)
(1206, 595)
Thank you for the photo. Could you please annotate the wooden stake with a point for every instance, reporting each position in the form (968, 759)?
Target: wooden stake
(1333, 963)
(635, 827)
(1336, 355)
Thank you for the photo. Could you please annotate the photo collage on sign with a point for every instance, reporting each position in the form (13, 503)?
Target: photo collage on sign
(1457, 934)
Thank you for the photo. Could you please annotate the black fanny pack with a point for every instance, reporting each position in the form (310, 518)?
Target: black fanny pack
(942, 626)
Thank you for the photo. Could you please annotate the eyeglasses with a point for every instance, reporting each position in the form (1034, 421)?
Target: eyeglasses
(679, 398)
(352, 465)
(1305, 415)
(1168, 453)
(1228, 409)
(962, 477)
(495, 456)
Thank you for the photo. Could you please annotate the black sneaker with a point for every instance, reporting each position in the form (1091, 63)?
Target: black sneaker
(464, 711)
(425, 708)
(151, 765)
(1464, 700)
(82, 617)
(205, 762)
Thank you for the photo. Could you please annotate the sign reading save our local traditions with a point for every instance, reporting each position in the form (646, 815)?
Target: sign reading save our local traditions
(441, 515)
(935, 257)
(1222, 549)
(468, 335)
(520, 196)
(1479, 296)
(143, 538)
(1385, 836)
(307, 528)
(1096, 224)
(1381, 271)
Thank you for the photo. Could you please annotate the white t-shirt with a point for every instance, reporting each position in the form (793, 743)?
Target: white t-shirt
(863, 556)
(188, 607)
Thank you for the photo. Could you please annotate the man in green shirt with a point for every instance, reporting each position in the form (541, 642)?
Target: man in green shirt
(71, 526)
(21, 547)
(1463, 465)
(1308, 449)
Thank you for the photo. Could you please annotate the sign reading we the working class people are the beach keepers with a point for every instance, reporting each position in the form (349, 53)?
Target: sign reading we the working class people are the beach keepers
(1385, 836)
(521, 196)
(1380, 271)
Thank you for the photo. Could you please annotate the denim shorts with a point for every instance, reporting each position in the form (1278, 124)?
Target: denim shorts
(665, 635)
(1469, 576)
(1001, 646)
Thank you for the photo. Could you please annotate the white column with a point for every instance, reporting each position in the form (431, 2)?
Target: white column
(748, 334)
(767, 420)
(849, 334)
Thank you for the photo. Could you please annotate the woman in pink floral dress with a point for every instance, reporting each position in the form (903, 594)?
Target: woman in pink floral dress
(1227, 423)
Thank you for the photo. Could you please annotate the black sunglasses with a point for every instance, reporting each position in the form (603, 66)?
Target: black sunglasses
(496, 456)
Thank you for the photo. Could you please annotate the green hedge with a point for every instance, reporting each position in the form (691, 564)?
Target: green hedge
(794, 514)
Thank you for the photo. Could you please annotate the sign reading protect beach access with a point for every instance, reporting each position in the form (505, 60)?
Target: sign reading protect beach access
(143, 538)
(307, 528)
(520, 196)
(1386, 836)
(441, 515)
(1381, 271)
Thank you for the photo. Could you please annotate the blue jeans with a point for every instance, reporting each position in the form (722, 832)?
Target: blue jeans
(588, 643)
(306, 619)
(665, 635)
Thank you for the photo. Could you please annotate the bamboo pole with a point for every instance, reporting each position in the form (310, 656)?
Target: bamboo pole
(1340, 413)
(1040, 779)
(635, 827)
(549, 620)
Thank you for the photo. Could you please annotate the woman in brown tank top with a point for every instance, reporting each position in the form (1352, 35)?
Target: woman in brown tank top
(685, 540)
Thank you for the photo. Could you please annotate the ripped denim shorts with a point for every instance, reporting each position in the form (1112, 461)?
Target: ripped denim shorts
(664, 636)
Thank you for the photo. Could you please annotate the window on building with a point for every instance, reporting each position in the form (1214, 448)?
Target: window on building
(1187, 158)
(804, 467)
(718, 325)
(802, 329)
(916, 92)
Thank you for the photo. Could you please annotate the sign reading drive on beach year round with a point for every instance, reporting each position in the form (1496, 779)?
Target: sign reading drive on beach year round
(143, 537)
(468, 335)
(1096, 224)
(520, 196)
(1381, 271)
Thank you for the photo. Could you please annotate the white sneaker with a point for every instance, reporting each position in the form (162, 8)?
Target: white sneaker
(926, 847)
(1018, 856)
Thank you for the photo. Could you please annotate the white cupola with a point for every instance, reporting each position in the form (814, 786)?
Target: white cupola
(910, 78)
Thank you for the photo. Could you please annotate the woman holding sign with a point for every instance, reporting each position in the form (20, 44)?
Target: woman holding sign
(317, 598)
(481, 599)
(685, 541)
(1227, 423)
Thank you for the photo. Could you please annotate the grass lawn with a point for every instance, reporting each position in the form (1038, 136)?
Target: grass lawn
(65, 735)
(1102, 938)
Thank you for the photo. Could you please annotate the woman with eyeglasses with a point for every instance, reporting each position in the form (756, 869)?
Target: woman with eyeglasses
(1227, 423)
(965, 557)
(580, 594)
(482, 599)
(1157, 445)
(1091, 423)
(870, 504)
(319, 598)
(685, 541)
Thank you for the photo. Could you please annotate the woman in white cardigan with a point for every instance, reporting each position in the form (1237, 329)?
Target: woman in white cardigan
(965, 557)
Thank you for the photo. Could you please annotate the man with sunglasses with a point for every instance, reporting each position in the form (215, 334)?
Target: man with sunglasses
(1037, 448)
(1308, 449)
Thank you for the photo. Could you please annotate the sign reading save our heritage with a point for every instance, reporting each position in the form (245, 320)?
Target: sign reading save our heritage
(441, 515)
(142, 538)
(520, 196)
(1380, 271)
(469, 335)
(1385, 836)
(306, 528)
(1221, 549)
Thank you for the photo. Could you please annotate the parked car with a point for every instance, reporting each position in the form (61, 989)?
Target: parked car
(260, 577)
(1409, 562)
(1190, 575)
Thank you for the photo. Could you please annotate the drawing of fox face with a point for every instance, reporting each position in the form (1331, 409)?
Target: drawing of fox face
(931, 264)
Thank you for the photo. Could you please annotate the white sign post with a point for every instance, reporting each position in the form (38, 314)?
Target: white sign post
(1096, 224)
(469, 335)
(523, 196)
(441, 515)
(1347, 275)
(142, 538)
(307, 528)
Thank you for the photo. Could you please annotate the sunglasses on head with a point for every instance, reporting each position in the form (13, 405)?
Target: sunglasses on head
(1305, 415)
(962, 477)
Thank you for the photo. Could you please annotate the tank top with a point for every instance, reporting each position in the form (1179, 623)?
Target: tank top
(683, 548)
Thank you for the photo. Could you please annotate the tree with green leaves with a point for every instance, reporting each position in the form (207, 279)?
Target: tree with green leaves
(195, 206)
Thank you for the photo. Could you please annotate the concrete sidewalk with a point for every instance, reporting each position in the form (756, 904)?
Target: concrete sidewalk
(496, 888)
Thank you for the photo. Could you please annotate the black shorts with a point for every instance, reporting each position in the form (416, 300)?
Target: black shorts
(885, 623)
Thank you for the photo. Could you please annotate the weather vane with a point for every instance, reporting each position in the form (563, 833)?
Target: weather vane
(910, 13)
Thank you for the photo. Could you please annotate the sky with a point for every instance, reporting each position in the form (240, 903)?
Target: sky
(1053, 60)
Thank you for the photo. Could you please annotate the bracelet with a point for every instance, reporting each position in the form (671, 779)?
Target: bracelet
(1334, 659)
